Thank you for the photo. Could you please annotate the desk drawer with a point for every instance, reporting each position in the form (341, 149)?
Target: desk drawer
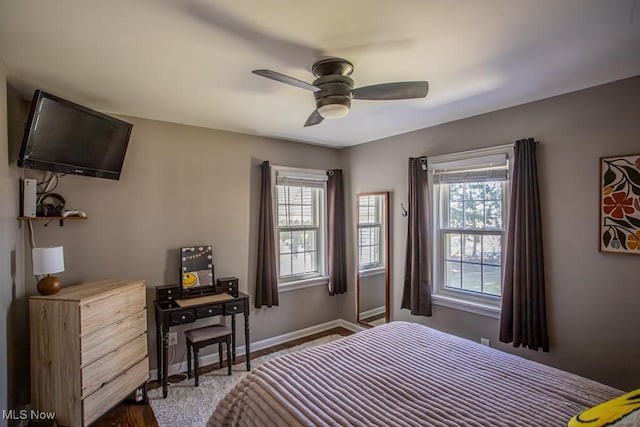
(183, 316)
(167, 298)
(167, 293)
(233, 307)
(227, 289)
(212, 310)
(227, 285)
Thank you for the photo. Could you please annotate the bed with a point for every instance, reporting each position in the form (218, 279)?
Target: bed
(406, 374)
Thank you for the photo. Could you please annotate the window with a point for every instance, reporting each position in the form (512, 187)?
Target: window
(370, 245)
(470, 207)
(300, 222)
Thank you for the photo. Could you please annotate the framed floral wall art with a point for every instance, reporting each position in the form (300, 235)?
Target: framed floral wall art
(620, 204)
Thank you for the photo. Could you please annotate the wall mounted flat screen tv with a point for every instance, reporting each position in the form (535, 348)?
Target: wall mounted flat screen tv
(64, 137)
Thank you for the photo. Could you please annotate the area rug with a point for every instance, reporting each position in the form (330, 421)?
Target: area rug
(187, 405)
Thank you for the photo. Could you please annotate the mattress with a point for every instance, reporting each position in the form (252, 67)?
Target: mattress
(406, 374)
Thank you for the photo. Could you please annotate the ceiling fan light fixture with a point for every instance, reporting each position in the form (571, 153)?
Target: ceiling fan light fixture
(333, 89)
(333, 111)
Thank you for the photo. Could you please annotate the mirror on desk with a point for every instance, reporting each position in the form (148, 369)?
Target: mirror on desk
(372, 220)
(196, 269)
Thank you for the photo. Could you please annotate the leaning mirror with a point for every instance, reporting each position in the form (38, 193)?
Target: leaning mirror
(372, 220)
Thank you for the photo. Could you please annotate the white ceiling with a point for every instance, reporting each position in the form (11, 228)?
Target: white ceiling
(190, 61)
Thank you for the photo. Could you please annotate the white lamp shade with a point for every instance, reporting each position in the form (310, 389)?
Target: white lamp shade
(47, 260)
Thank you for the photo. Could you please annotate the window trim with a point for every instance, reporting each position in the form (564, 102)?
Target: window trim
(381, 241)
(470, 301)
(301, 284)
(441, 238)
(317, 228)
(318, 179)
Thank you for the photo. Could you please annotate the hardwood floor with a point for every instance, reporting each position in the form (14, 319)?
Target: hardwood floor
(131, 414)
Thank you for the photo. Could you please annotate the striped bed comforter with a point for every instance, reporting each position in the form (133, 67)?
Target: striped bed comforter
(405, 374)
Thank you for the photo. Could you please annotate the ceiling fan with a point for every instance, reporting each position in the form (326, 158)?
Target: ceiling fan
(333, 88)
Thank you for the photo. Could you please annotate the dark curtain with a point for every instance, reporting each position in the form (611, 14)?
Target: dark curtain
(266, 276)
(523, 320)
(416, 295)
(336, 233)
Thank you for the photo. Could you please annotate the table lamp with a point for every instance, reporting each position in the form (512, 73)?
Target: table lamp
(48, 261)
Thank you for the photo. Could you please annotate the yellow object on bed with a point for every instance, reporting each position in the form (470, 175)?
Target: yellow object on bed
(623, 411)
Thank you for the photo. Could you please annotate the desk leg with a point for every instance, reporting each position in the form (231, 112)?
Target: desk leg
(159, 350)
(233, 338)
(165, 358)
(247, 340)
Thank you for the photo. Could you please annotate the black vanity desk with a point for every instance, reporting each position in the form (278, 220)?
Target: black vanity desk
(169, 313)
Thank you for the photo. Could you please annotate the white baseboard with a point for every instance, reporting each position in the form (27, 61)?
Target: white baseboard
(353, 327)
(372, 312)
(212, 358)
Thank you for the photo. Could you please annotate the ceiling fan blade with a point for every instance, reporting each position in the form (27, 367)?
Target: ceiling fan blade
(285, 79)
(314, 119)
(388, 91)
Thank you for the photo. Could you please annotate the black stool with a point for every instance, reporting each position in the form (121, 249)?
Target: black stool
(202, 337)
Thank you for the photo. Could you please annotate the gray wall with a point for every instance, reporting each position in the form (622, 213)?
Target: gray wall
(183, 185)
(14, 361)
(7, 241)
(592, 297)
(180, 186)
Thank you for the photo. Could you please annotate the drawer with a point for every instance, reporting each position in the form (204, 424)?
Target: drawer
(104, 369)
(227, 281)
(114, 391)
(213, 310)
(183, 316)
(168, 298)
(227, 289)
(115, 306)
(167, 293)
(103, 341)
(168, 290)
(233, 307)
(228, 285)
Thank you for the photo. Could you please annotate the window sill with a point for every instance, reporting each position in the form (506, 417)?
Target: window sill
(476, 307)
(372, 271)
(301, 284)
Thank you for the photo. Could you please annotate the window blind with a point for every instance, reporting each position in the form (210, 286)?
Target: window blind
(301, 178)
(474, 169)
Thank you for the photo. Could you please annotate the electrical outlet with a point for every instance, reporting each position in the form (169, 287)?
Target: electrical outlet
(173, 338)
(485, 341)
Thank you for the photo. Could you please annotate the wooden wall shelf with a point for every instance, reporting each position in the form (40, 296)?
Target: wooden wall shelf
(51, 218)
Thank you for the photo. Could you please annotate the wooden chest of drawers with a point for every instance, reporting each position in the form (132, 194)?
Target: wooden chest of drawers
(88, 348)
